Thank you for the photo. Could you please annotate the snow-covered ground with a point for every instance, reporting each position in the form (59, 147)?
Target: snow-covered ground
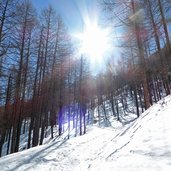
(142, 144)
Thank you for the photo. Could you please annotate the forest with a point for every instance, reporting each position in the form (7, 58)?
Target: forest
(43, 84)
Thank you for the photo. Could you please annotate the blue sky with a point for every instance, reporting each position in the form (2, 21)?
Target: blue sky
(73, 12)
(76, 14)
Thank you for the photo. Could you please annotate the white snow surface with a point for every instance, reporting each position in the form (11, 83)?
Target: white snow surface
(143, 144)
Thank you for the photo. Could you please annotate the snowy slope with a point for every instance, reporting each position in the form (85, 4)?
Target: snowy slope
(143, 144)
(146, 145)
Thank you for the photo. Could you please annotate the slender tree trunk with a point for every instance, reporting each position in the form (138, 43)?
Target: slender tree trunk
(142, 59)
(20, 117)
(136, 100)
(80, 98)
(164, 26)
(5, 115)
(112, 105)
(117, 108)
(35, 112)
(9, 140)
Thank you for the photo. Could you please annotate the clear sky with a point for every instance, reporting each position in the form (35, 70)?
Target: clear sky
(73, 12)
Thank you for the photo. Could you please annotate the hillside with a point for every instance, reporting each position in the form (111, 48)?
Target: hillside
(143, 144)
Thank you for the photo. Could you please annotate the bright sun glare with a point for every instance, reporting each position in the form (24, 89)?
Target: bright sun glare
(94, 43)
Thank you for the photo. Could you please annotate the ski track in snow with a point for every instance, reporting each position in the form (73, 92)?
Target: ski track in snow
(143, 144)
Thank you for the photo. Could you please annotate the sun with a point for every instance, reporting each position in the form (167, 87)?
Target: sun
(94, 42)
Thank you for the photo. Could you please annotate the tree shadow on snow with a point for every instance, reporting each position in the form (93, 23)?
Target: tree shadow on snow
(126, 121)
(37, 156)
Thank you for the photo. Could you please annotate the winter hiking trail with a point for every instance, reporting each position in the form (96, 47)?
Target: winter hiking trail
(77, 152)
(143, 144)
